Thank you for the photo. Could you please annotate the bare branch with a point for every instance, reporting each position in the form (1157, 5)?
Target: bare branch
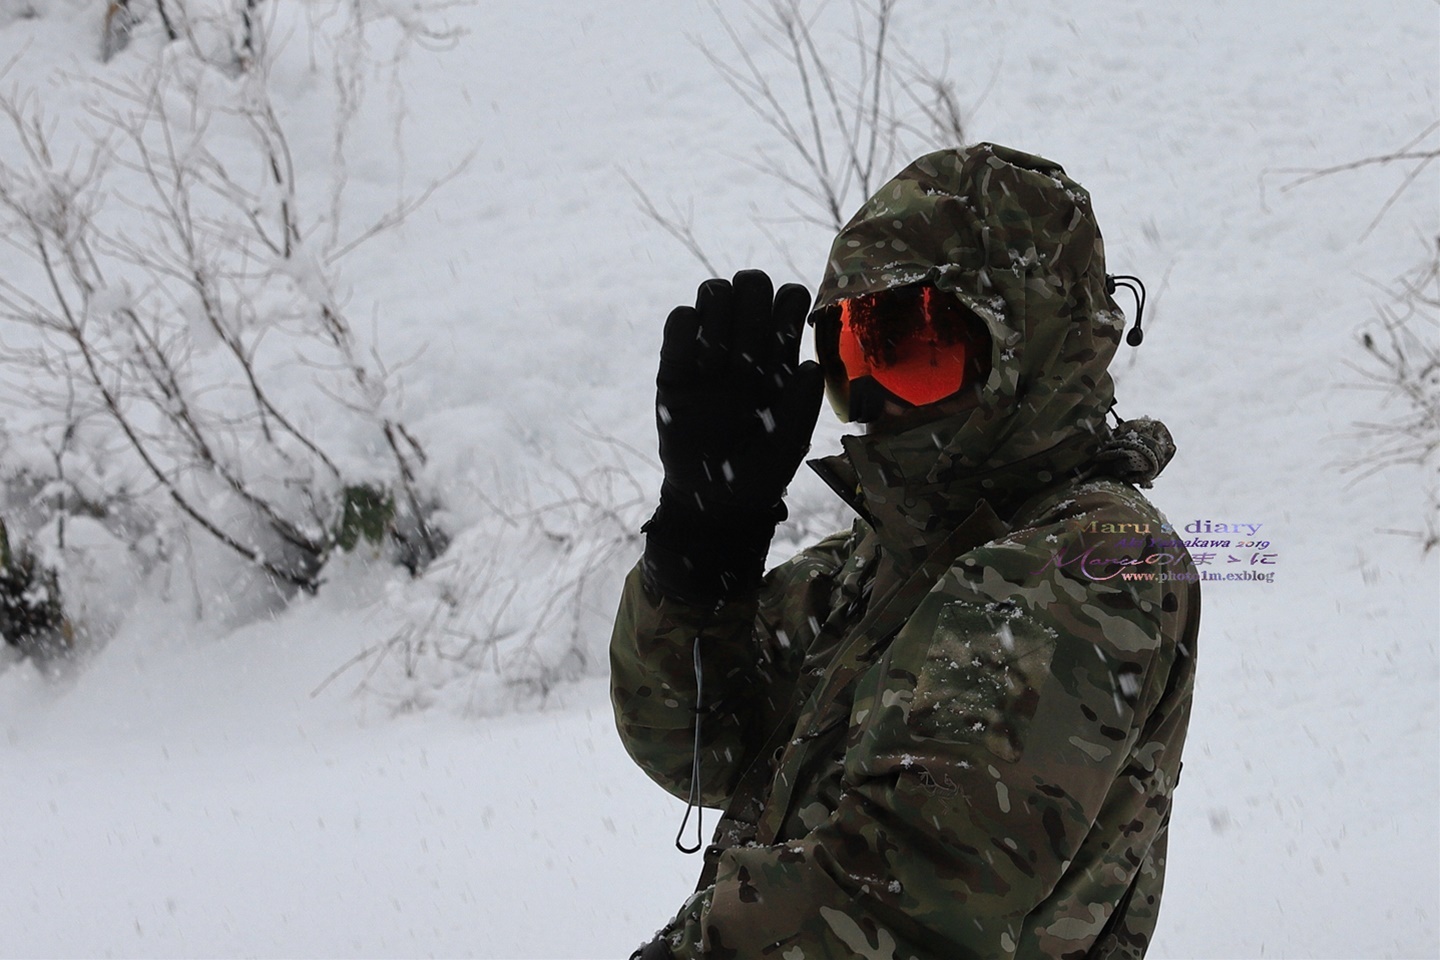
(678, 227)
(1405, 154)
(841, 130)
(400, 212)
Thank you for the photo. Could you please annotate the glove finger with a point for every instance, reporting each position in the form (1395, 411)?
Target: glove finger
(684, 432)
(792, 306)
(682, 351)
(798, 407)
(715, 306)
(754, 348)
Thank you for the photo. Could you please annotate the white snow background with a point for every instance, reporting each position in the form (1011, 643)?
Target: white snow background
(187, 793)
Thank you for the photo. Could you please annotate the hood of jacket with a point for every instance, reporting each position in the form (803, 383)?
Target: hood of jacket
(1015, 240)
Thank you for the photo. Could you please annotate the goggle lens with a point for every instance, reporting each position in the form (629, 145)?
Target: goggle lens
(919, 367)
(912, 342)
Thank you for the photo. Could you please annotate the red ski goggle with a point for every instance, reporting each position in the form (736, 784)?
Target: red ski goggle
(911, 346)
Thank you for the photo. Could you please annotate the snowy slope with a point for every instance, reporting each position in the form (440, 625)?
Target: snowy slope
(187, 795)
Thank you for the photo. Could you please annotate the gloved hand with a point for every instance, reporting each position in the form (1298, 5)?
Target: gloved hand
(735, 408)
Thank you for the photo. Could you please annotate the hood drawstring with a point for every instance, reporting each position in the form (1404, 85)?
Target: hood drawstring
(1137, 290)
(693, 803)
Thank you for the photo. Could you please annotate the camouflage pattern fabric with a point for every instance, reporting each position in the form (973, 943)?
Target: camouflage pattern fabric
(954, 730)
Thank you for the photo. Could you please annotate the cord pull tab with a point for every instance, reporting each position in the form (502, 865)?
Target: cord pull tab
(693, 803)
(1137, 290)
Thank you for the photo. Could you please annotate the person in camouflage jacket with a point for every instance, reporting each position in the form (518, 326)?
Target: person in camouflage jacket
(954, 730)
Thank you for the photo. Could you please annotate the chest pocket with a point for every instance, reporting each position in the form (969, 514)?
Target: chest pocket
(981, 678)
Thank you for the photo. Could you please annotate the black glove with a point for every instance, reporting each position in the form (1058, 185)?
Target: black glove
(735, 408)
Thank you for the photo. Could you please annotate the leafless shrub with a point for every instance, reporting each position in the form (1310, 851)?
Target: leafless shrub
(514, 607)
(32, 618)
(1402, 352)
(1402, 361)
(172, 289)
(841, 113)
(847, 130)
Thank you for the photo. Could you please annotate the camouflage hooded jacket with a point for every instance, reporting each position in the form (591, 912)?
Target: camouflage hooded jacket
(953, 731)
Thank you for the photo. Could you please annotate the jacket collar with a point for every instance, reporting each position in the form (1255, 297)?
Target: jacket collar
(892, 483)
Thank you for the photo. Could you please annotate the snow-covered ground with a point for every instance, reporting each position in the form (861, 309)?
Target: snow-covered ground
(190, 794)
